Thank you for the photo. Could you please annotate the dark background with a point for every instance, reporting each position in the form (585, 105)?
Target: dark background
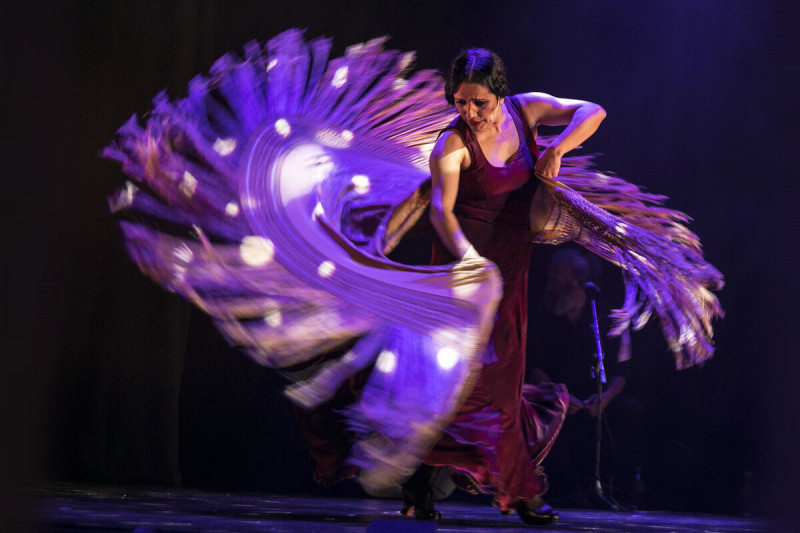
(110, 379)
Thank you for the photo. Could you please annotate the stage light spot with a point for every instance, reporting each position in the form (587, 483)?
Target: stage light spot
(225, 146)
(340, 77)
(447, 358)
(256, 250)
(271, 64)
(347, 136)
(326, 269)
(273, 318)
(231, 209)
(399, 83)
(360, 183)
(282, 127)
(386, 362)
(188, 184)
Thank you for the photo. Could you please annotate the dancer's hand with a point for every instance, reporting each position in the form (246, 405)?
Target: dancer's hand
(473, 259)
(471, 253)
(549, 164)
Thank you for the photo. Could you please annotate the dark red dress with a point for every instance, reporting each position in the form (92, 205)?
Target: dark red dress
(498, 437)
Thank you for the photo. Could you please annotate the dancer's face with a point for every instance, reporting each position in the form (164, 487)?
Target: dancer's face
(477, 106)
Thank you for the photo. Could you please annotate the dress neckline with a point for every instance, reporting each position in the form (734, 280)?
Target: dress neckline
(520, 137)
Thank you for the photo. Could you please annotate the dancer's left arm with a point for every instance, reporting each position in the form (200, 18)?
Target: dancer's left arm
(581, 119)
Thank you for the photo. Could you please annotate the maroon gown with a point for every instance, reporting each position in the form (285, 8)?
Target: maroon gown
(499, 438)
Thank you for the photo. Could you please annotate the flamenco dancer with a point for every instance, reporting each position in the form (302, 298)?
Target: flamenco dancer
(293, 177)
(482, 170)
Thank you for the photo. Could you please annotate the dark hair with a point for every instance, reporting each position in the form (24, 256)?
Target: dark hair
(476, 65)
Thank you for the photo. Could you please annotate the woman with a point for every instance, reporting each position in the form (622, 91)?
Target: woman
(482, 170)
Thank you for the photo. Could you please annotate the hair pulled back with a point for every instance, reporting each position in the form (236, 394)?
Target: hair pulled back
(476, 65)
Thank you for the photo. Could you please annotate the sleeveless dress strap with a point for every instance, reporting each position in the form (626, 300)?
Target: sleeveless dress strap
(459, 127)
(515, 109)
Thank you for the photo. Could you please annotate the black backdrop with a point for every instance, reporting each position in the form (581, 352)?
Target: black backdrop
(110, 379)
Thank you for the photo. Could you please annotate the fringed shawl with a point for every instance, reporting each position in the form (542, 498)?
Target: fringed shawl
(269, 195)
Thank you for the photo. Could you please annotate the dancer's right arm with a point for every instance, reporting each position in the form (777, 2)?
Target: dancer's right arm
(446, 160)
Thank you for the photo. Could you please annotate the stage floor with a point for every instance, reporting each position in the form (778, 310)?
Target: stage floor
(82, 508)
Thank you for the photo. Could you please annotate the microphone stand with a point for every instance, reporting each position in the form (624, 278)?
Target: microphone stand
(599, 375)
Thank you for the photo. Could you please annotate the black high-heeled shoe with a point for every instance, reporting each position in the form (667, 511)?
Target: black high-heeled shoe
(536, 515)
(418, 494)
